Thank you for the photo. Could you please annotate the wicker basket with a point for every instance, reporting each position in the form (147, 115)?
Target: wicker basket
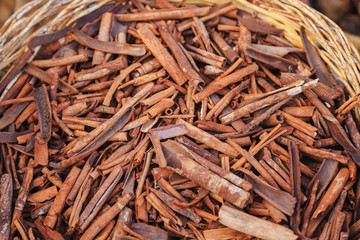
(46, 16)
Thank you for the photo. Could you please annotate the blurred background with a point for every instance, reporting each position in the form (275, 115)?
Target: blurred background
(346, 13)
(7, 7)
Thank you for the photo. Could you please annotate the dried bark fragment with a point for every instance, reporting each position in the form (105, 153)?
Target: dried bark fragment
(253, 226)
(112, 47)
(6, 193)
(181, 162)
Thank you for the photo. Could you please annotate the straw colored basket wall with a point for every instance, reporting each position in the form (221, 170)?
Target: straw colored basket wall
(45, 16)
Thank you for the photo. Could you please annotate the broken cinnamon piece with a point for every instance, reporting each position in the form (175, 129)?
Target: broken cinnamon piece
(221, 233)
(104, 33)
(206, 215)
(97, 201)
(318, 153)
(242, 141)
(270, 75)
(295, 177)
(155, 140)
(328, 199)
(275, 61)
(81, 178)
(164, 14)
(275, 214)
(283, 201)
(117, 82)
(220, 82)
(284, 185)
(264, 116)
(163, 209)
(306, 111)
(159, 107)
(229, 53)
(179, 55)
(106, 217)
(181, 162)
(158, 96)
(43, 110)
(277, 41)
(147, 67)
(315, 61)
(136, 123)
(304, 137)
(40, 74)
(8, 137)
(265, 139)
(277, 97)
(300, 125)
(43, 195)
(225, 28)
(218, 170)
(100, 70)
(333, 192)
(223, 9)
(169, 131)
(197, 149)
(211, 126)
(47, 63)
(125, 218)
(59, 202)
(207, 139)
(202, 34)
(336, 129)
(253, 162)
(162, 55)
(259, 26)
(221, 105)
(144, 174)
(146, 231)
(265, 85)
(111, 47)
(15, 70)
(309, 207)
(144, 79)
(21, 199)
(352, 129)
(170, 201)
(14, 90)
(207, 56)
(164, 4)
(280, 51)
(254, 226)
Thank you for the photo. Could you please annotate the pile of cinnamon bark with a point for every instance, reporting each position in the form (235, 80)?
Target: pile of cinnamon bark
(154, 120)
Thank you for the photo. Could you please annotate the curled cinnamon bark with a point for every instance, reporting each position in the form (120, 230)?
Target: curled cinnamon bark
(112, 47)
(198, 107)
(59, 202)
